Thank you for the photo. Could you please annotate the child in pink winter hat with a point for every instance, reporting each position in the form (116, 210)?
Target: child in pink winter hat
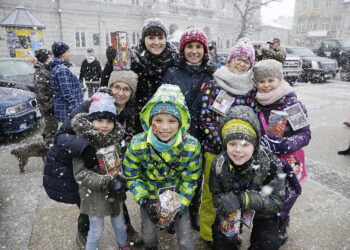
(243, 47)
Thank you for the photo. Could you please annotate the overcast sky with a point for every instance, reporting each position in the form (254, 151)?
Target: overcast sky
(276, 9)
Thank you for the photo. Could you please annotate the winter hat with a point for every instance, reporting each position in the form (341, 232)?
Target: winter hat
(126, 76)
(165, 108)
(59, 48)
(42, 55)
(153, 22)
(243, 47)
(193, 35)
(102, 107)
(274, 40)
(90, 52)
(267, 68)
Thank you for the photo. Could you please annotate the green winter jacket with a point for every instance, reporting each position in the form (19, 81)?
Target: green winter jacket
(146, 172)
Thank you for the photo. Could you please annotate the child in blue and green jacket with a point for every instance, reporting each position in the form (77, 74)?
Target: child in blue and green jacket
(164, 155)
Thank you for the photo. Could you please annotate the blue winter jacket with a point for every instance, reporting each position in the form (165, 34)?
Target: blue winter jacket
(67, 94)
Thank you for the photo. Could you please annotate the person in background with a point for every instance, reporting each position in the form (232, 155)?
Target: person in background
(44, 97)
(238, 184)
(275, 51)
(150, 59)
(90, 71)
(107, 70)
(213, 57)
(67, 94)
(232, 85)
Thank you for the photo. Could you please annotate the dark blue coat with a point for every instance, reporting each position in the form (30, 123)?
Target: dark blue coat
(190, 79)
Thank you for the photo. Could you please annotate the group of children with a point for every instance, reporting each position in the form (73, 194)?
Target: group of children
(247, 145)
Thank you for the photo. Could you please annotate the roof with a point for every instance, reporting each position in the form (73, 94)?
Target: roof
(273, 24)
(20, 17)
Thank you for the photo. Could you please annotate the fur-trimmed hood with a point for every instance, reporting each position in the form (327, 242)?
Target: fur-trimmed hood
(84, 128)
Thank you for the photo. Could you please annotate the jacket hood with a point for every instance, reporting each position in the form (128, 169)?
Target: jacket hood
(171, 94)
(246, 114)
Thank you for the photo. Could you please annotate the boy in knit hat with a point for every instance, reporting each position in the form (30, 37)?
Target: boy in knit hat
(101, 182)
(285, 129)
(164, 156)
(245, 178)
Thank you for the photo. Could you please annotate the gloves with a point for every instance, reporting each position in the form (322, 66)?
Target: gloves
(89, 157)
(275, 144)
(151, 208)
(111, 53)
(229, 203)
(117, 183)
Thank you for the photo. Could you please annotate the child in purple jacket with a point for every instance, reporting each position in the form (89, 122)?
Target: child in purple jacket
(285, 130)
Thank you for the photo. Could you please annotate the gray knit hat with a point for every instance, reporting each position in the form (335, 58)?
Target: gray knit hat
(267, 68)
(126, 76)
(153, 22)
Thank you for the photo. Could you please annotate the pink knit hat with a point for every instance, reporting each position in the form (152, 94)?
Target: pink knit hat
(193, 35)
(243, 47)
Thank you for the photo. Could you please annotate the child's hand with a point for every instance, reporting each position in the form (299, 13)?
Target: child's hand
(151, 208)
(274, 143)
(228, 204)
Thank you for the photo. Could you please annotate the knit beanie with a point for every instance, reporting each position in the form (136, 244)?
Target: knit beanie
(267, 68)
(153, 22)
(42, 55)
(193, 35)
(59, 48)
(243, 47)
(165, 108)
(238, 130)
(102, 107)
(126, 76)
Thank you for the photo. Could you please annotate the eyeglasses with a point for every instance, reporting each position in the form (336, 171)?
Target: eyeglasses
(240, 60)
(119, 89)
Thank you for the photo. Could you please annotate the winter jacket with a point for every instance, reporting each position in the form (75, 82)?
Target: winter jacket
(90, 71)
(43, 89)
(96, 199)
(65, 89)
(209, 119)
(106, 73)
(150, 70)
(276, 54)
(190, 78)
(146, 172)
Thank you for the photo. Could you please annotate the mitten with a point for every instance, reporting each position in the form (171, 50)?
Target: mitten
(275, 144)
(117, 183)
(151, 208)
(111, 53)
(89, 157)
(229, 203)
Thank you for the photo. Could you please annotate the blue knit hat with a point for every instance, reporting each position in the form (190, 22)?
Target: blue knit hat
(102, 107)
(58, 48)
(165, 108)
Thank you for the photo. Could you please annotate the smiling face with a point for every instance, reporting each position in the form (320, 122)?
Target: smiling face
(240, 151)
(105, 126)
(121, 93)
(165, 126)
(239, 65)
(268, 84)
(194, 52)
(155, 44)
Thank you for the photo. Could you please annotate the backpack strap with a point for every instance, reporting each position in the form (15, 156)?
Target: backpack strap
(219, 164)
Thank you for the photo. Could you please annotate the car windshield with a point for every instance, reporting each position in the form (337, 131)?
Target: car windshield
(345, 43)
(15, 68)
(300, 51)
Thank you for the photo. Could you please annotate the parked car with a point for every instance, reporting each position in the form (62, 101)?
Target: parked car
(17, 73)
(18, 110)
(345, 73)
(335, 48)
(316, 69)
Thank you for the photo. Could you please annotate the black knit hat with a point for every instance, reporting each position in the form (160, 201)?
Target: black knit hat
(42, 55)
(153, 22)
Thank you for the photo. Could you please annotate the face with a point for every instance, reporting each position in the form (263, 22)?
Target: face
(240, 151)
(268, 84)
(164, 126)
(66, 56)
(274, 45)
(239, 65)
(194, 52)
(155, 44)
(105, 126)
(121, 93)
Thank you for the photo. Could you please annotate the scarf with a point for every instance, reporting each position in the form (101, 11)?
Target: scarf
(282, 90)
(234, 83)
(163, 146)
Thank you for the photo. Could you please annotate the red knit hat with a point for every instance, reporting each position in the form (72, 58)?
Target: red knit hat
(193, 35)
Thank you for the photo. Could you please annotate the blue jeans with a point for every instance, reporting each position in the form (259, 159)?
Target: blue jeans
(96, 230)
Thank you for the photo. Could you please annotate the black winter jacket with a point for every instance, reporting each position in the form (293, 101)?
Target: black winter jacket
(43, 89)
(90, 71)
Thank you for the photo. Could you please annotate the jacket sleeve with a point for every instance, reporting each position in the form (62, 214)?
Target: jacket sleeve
(106, 74)
(89, 179)
(278, 55)
(132, 173)
(214, 184)
(82, 71)
(43, 91)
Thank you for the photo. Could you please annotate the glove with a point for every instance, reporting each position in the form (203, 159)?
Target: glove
(275, 144)
(111, 53)
(117, 183)
(151, 208)
(229, 203)
(89, 157)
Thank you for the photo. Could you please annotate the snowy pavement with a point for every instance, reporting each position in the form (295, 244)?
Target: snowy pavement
(320, 218)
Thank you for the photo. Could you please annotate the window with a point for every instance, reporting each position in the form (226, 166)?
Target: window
(328, 3)
(228, 44)
(304, 5)
(336, 23)
(135, 2)
(96, 39)
(80, 39)
(315, 4)
(325, 24)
